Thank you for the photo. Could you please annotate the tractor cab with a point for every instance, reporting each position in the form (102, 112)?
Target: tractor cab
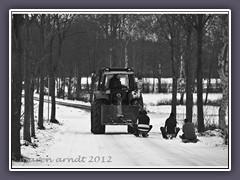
(117, 100)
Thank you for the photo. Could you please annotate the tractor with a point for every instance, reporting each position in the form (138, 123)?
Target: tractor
(115, 104)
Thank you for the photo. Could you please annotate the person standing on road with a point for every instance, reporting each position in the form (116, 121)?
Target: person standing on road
(188, 130)
(170, 127)
(143, 124)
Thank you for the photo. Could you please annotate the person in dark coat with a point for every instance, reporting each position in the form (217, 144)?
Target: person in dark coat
(143, 124)
(188, 130)
(170, 127)
(114, 82)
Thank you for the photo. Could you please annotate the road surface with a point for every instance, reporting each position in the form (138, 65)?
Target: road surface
(73, 146)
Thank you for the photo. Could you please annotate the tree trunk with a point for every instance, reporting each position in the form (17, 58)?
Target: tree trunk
(159, 85)
(52, 71)
(79, 87)
(143, 58)
(70, 87)
(58, 88)
(159, 72)
(41, 100)
(52, 90)
(174, 81)
(63, 87)
(189, 76)
(16, 109)
(223, 109)
(27, 88)
(174, 96)
(207, 90)
(32, 111)
(223, 73)
(153, 86)
(209, 79)
(53, 100)
(199, 77)
(182, 81)
(41, 79)
(16, 83)
(27, 107)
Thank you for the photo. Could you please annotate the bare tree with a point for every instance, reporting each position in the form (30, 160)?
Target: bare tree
(57, 25)
(171, 31)
(223, 70)
(41, 27)
(159, 74)
(189, 67)
(16, 84)
(199, 24)
(33, 134)
(28, 95)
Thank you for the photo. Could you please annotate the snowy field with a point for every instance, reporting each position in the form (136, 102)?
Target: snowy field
(151, 102)
(71, 145)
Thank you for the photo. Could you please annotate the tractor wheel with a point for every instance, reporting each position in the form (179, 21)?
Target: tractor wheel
(96, 127)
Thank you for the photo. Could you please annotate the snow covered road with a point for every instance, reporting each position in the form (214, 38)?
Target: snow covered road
(73, 146)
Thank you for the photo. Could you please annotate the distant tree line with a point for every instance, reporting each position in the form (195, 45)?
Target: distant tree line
(58, 47)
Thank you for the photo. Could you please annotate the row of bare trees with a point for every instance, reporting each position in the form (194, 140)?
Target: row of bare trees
(60, 46)
(33, 38)
(188, 36)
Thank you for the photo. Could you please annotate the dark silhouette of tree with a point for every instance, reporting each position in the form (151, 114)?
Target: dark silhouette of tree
(171, 31)
(186, 21)
(223, 70)
(28, 76)
(199, 22)
(57, 26)
(16, 83)
(42, 47)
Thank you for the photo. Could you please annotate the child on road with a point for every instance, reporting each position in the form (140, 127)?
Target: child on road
(170, 128)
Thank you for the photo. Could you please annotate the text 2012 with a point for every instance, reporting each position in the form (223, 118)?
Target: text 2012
(100, 159)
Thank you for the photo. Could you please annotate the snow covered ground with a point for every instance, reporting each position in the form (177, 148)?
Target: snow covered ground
(151, 102)
(71, 145)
